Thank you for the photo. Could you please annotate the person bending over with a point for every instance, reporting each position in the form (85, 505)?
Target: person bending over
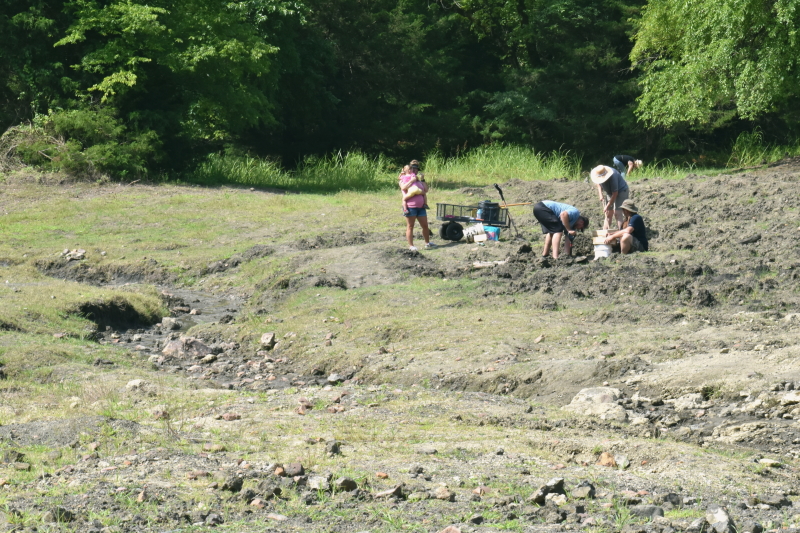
(555, 219)
(626, 164)
(633, 238)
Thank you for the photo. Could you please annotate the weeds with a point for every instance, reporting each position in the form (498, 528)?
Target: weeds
(489, 164)
(749, 150)
(337, 172)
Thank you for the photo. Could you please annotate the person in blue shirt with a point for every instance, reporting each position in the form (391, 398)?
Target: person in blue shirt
(633, 237)
(557, 218)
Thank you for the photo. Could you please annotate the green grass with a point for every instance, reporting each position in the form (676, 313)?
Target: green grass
(750, 150)
(486, 165)
(337, 172)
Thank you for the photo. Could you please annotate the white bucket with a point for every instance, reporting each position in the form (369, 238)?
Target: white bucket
(602, 250)
(472, 231)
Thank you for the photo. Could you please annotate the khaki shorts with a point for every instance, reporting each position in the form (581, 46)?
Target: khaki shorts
(636, 246)
(621, 197)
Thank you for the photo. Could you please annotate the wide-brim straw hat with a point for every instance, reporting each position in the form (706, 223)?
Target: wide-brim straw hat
(628, 205)
(601, 173)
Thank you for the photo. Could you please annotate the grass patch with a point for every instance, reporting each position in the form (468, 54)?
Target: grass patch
(486, 165)
(337, 172)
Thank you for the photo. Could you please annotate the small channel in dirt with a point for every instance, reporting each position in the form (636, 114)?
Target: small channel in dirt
(189, 341)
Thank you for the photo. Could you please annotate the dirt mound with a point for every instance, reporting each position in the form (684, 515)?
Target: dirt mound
(334, 240)
(67, 432)
(116, 313)
(149, 271)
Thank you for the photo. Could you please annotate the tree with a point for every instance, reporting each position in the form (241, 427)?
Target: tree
(565, 74)
(707, 62)
(185, 75)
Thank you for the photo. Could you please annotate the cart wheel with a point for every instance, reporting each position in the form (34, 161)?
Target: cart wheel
(443, 231)
(455, 231)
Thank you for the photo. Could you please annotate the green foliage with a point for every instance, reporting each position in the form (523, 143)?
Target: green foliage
(353, 171)
(83, 142)
(706, 62)
(489, 164)
(131, 88)
(751, 149)
(565, 74)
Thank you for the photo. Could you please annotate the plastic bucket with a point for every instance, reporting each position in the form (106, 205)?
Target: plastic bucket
(602, 250)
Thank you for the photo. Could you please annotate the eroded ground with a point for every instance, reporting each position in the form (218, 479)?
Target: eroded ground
(412, 391)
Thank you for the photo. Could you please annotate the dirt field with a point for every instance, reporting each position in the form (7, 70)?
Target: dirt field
(412, 391)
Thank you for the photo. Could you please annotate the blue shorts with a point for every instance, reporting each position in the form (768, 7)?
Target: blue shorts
(416, 212)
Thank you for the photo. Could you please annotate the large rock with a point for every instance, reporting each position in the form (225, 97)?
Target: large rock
(170, 323)
(601, 402)
(141, 386)
(554, 486)
(647, 511)
(688, 401)
(791, 398)
(584, 491)
(187, 347)
(719, 519)
(268, 340)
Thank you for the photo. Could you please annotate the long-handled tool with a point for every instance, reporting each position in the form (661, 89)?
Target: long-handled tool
(505, 205)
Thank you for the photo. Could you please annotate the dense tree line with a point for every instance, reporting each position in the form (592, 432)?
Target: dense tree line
(128, 86)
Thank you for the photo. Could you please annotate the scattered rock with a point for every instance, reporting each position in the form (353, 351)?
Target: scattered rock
(233, 484)
(719, 519)
(58, 514)
(294, 469)
(268, 340)
(319, 483)
(647, 511)
(141, 386)
(346, 484)
(600, 402)
(584, 491)
(555, 485)
(606, 459)
(396, 491)
(442, 493)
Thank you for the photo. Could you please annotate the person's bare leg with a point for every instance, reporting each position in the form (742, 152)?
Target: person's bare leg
(625, 243)
(606, 220)
(547, 240)
(426, 232)
(620, 216)
(410, 230)
(556, 244)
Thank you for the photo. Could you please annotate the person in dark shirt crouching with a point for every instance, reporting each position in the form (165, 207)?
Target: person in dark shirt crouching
(633, 237)
(626, 164)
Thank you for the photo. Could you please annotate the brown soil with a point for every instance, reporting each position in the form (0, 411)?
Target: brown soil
(707, 318)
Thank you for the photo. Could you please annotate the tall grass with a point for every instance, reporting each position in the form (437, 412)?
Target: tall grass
(355, 171)
(488, 164)
(478, 167)
(337, 172)
(750, 150)
(665, 169)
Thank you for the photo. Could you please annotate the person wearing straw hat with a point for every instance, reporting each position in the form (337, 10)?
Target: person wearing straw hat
(611, 183)
(626, 164)
(557, 218)
(633, 238)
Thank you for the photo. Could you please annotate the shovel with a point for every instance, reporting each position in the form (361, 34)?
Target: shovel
(511, 220)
